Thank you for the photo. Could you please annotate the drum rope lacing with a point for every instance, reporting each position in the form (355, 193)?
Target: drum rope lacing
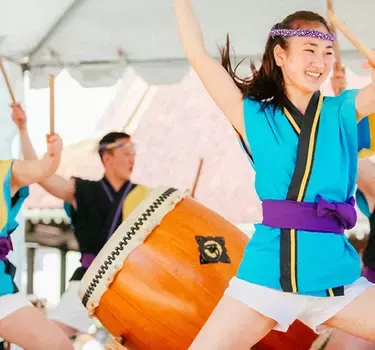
(128, 236)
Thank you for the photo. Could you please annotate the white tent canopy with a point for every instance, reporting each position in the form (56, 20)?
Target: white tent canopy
(96, 39)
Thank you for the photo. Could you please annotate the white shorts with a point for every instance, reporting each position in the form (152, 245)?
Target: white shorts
(71, 311)
(11, 303)
(285, 308)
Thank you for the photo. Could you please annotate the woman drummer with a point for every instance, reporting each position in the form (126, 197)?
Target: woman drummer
(303, 146)
(20, 322)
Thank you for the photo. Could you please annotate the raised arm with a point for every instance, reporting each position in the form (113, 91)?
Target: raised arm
(338, 79)
(366, 177)
(55, 184)
(365, 101)
(214, 77)
(27, 172)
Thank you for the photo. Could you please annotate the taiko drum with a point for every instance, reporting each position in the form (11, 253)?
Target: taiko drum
(161, 274)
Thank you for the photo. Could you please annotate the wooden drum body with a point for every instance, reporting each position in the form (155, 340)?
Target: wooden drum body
(161, 274)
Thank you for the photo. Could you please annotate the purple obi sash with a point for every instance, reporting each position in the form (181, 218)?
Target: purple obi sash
(5, 247)
(87, 259)
(322, 216)
(369, 273)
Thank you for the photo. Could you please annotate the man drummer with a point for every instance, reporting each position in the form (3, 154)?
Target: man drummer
(96, 209)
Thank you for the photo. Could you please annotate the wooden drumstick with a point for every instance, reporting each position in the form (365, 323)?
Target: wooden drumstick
(115, 344)
(7, 81)
(335, 43)
(51, 104)
(197, 178)
(330, 5)
(343, 28)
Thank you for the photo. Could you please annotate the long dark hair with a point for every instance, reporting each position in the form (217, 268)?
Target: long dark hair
(267, 83)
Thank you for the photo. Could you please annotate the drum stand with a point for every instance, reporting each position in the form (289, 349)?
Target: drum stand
(117, 343)
(322, 341)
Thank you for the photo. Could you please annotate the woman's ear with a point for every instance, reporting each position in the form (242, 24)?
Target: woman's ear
(279, 55)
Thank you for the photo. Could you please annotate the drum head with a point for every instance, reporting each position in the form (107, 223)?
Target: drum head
(129, 235)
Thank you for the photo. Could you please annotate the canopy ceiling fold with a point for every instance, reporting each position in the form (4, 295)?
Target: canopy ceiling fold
(97, 39)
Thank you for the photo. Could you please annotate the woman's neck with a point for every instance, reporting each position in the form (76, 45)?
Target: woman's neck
(299, 98)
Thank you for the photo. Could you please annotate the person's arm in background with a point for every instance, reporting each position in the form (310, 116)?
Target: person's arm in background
(27, 172)
(366, 128)
(54, 184)
(338, 79)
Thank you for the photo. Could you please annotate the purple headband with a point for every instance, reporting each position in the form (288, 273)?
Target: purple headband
(302, 32)
(117, 144)
(108, 146)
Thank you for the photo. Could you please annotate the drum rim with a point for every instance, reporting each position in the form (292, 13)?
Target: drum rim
(162, 200)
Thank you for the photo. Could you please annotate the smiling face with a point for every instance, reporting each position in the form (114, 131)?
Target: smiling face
(306, 61)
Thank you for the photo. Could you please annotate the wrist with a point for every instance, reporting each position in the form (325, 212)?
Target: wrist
(49, 165)
(23, 129)
(180, 1)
